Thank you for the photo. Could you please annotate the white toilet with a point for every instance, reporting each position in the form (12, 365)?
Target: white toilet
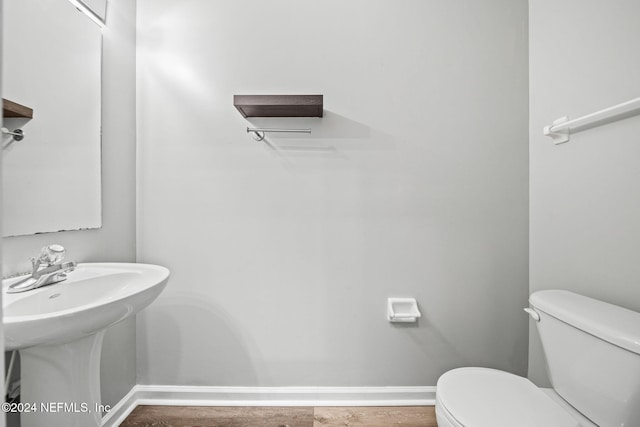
(593, 354)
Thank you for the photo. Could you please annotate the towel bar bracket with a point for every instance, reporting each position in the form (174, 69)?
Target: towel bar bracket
(257, 135)
(558, 136)
(18, 134)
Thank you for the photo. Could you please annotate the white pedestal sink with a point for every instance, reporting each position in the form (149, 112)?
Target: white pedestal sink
(59, 329)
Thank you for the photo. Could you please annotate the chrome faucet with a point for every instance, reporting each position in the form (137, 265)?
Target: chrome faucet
(47, 270)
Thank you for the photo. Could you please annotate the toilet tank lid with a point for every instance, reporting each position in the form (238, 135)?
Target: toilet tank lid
(609, 322)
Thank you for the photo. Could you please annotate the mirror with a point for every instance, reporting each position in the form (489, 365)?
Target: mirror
(51, 62)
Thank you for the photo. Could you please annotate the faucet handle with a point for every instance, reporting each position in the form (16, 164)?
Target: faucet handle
(50, 254)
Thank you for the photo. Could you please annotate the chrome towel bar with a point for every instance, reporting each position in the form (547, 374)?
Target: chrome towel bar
(559, 130)
(259, 133)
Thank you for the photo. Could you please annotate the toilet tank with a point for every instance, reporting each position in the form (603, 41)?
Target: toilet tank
(593, 355)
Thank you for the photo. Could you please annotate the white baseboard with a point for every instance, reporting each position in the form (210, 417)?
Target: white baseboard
(267, 396)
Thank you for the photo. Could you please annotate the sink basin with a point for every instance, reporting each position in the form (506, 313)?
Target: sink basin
(59, 330)
(94, 297)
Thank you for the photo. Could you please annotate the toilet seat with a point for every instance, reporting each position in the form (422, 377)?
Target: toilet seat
(482, 397)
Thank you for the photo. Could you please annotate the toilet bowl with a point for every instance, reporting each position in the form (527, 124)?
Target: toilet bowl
(482, 397)
(593, 353)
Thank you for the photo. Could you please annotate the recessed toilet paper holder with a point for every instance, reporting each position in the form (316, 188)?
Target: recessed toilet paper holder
(404, 310)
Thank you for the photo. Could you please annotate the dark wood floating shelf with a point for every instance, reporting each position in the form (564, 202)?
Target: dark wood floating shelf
(13, 109)
(278, 105)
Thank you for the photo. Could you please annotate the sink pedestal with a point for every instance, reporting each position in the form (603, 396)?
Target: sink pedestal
(61, 384)
(58, 330)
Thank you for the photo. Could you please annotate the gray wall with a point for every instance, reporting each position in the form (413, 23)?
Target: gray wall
(115, 241)
(585, 202)
(413, 184)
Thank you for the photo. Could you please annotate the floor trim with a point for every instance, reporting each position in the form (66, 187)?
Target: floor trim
(267, 396)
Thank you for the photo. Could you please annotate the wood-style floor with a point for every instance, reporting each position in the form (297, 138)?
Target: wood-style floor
(216, 416)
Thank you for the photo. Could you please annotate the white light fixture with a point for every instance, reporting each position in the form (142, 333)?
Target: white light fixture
(82, 7)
